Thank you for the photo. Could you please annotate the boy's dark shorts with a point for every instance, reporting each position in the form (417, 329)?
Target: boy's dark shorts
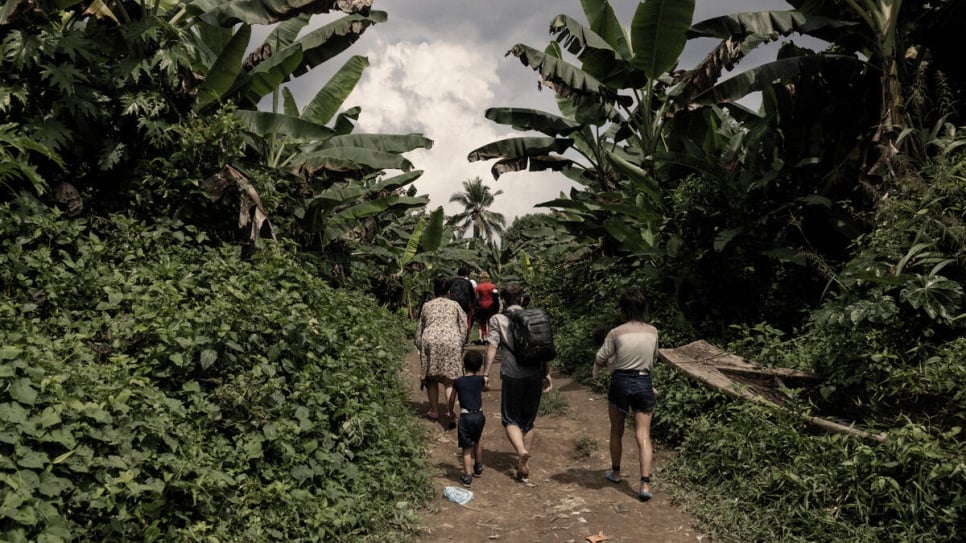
(470, 428)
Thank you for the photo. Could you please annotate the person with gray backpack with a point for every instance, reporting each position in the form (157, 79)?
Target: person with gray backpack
(524, 339)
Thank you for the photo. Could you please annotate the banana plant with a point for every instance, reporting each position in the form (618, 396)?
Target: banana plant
(619, 109)
(612, 119)
(278, 59)
(312, 146)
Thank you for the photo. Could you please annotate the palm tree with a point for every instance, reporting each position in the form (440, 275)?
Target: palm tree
(476, 198)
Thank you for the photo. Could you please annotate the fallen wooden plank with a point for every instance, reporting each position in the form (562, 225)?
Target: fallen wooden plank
(710, 365)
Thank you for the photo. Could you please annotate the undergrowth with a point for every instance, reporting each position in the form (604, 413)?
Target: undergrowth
(153, 388)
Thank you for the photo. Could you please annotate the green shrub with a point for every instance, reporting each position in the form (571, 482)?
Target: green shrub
(156, 389)
(583, 448)
(759, 475)
(553, 403)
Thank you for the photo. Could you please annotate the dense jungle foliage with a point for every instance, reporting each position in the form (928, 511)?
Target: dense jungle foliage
(204, 305)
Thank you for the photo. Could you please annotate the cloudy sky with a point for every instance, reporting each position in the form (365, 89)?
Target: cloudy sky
(436, 65)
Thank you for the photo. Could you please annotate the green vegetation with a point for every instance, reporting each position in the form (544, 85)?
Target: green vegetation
(583, 448)
(173, 391)
(553, 403)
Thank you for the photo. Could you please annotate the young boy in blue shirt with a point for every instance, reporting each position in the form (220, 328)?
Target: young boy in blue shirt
(469, 389)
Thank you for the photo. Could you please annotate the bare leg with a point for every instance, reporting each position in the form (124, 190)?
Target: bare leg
(432, 394)
(478, 453)
(519, 441)
(450, 398)
(616, 437)
(468, 460)
(643, 436)
(525, 458)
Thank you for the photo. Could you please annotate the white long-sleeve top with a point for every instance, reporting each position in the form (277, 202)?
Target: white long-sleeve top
(630, 346)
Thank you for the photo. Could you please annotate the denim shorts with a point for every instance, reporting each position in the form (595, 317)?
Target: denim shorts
(631, 392)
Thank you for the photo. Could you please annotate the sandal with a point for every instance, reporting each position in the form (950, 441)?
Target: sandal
(645, 495)
(432, 415)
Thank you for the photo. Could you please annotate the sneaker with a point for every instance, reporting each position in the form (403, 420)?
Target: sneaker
(466, 479)
(478, 469)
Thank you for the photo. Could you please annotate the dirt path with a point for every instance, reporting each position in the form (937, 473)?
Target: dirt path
(571, 499)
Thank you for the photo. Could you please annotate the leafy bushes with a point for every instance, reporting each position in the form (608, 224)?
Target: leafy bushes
(756, 474)
(152, 388)
(892, 333)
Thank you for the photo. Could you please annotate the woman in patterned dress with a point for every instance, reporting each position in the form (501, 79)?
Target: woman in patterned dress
(439, 338)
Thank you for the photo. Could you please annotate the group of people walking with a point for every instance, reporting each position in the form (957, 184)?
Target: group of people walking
(628, 351)
(479, 301)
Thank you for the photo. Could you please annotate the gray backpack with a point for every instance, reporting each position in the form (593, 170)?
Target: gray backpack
(532, 336)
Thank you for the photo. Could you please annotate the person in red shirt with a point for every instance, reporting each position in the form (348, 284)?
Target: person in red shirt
(487, 304)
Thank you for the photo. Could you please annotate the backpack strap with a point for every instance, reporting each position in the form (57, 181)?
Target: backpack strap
(506, 313)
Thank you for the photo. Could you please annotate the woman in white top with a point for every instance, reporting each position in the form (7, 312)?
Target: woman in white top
(629, 352)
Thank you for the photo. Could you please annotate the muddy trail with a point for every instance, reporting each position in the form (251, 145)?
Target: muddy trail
(570, 502)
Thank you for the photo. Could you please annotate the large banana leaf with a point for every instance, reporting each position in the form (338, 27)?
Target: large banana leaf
(531, 119)
(326, 103)
(389, 143)
(266, 12)
(762, 23)
(332, 39)
(597, 58)
(412, 245)
(265, 123)
(565, 79)
(604, 22)
(536, 163)
(374, 207)
(344, 122)
(289, 106)
(740, 33)
(397, 182)
(658, 34)
(345, 159)
(640, 180)
(306, 53)
(762, 76)
(520, 147)
(628, 210)
(268, 75)
(286, 32)
(336, 195)
(223, 73)
(433, 236)
(632, 237)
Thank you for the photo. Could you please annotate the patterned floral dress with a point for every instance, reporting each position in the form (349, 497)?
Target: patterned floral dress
(439, 338)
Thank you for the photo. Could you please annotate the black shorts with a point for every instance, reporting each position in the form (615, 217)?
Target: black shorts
(631, 392)
(520, 400)
(470, 428)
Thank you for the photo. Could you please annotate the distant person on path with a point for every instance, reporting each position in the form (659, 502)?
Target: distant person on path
(522, 386)
(629, 352)
(461, 290)
(439, 338)
(487, 305)
(469, 390)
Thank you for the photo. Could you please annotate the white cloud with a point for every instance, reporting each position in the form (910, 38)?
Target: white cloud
(440, 89)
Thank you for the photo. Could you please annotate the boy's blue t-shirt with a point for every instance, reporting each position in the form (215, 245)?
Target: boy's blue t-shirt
(469, 390)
